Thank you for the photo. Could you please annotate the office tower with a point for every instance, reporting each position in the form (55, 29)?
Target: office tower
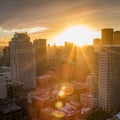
(3, 89)
(108, 75)
(107, 36)
(95, 80)
(6, 56)
(97, 47)
(117, 38)
(22, 60)
(40, 55)
(97, 44)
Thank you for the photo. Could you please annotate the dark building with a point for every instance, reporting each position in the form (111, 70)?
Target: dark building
(107, 36)
(14, 90)
(6, 56)
(10, 112)
(40, 55)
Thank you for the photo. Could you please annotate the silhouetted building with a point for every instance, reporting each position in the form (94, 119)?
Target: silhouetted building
(107, 36)
(3, 89)
(6, 57)
(22, 60)
(117, 38)
(40, 55)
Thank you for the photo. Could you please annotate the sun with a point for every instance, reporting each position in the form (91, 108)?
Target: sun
(78, 35)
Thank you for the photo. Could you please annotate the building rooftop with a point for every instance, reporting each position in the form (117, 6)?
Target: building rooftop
(69, 110)
(42, 98)
(5, 109)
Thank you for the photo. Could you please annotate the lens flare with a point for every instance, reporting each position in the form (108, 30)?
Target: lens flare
(67, 88)
(61, 94)
(58, 105)
(58, 114)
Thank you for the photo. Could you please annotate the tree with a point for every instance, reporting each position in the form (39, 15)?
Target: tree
(98, 114)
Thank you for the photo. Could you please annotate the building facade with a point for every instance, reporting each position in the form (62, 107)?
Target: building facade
(107, 36)
(106, 83)
(40, 56)
(22, 60)
(109, 78)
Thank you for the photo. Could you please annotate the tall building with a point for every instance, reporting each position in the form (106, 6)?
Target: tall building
(6, 56)
(117, 38)
(40, 55)
(108, 74)
(107, 36)
(106, 84)
(3, 89)
(22, 60)
(97, 45)
(97, 48)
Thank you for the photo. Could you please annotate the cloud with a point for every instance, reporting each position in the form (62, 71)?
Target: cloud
(16, 14)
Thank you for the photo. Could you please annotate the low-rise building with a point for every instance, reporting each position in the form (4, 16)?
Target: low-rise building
(10, 112)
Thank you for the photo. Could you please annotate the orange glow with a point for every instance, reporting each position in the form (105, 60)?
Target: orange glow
(78, 34)
(66, 89)
(87, 60)
(58, 105)
(61, 94)
(58, 114)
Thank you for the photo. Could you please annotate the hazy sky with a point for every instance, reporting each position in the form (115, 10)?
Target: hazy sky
(57, 14)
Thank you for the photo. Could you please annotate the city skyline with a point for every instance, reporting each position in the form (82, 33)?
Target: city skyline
(59, 60)
(44, 19)
(70, 82)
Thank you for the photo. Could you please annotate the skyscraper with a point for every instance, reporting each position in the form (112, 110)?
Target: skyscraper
(117, 38)
(22, 60)
(109, 78)
(107, 72)
(40, 55)
(6, 56)
(107, 36)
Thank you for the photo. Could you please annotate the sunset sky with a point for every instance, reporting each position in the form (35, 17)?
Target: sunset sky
(54, 16)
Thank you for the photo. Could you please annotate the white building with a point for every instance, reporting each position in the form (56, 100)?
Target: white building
(22, 60)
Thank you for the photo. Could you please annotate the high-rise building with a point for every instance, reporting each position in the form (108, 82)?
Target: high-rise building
(3, 89)
(108, 76)
(97, 48)
(40, 55)
(97, 45)
(22, 60)
(106, 83)
(6, 56)
(117, 38)
(107, 36)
